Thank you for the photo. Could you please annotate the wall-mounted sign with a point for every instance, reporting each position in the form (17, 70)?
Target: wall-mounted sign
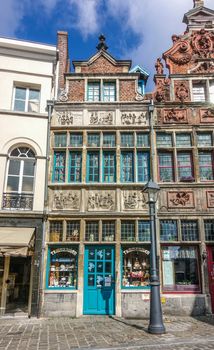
(136, 249)
(63, 250)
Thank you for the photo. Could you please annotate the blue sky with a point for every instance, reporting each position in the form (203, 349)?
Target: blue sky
(139, 30)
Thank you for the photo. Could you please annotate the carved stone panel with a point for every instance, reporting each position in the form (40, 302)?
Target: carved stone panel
(210, 199)
(67, 118)
(66, 200)
(101, 118)
(175, 116)
(180, 199)
(182, 91)
(207, 115)
(134, 200)
(101, 201)
(134, 118)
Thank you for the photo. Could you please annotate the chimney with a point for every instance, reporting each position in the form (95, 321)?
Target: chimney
(198, 3)
(64, 64)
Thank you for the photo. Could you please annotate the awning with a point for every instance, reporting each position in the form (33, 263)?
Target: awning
(16, 241)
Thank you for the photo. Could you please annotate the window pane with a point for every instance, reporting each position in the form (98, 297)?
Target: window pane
(76, 140)
(183, 140)
(199, 91)
(109, 140)
(73, 231)
(136, 266)
(60, 140)
(94, 140)
(34, 95)
(56, 231)
(92, 231)
(204, 139)
(59, 167)
(20, 93)
(127, 170)
(93, 167)
(185, 171)
(33, 103)
(75, 169)
(143, 166)
(142, 140)
(29, 166)
(109, 167)
(14, 167)
(180, 269)
(94, 91)
(63, 268)
(144, 231)
(128, 231)
(165, 167)
(109, 91)
(209, 230)
(19, 105)
(168, 230)
(12, 184)
(164, 140)
(108, 231)
(127, 140)
(27, 184)
(189, 230)
(205, 166)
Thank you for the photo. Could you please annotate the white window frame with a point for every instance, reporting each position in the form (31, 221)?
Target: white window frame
(207, 90)
(27, 88)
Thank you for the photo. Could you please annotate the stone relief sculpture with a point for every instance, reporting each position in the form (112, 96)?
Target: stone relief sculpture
(162, 93)
(210, 199)
(65, 118)
(102, 200)
(63, 95)
(182, 91)
(133, 200)
(101, 118)
(133, 118)
(159, 66)
(175, 116)
(207, 115)
(66, 200)
(181, 199)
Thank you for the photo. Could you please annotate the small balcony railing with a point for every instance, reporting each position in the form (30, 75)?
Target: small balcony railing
(17, 201)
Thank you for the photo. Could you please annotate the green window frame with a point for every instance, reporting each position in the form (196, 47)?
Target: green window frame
(59, 167)
(93, 139)
(93, 167)
(76, 139)
(75, 167)
(109, 140)
(127, 167)
(109, 167)
(143, 166)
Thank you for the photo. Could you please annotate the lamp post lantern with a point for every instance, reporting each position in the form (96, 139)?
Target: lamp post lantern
(156, 325)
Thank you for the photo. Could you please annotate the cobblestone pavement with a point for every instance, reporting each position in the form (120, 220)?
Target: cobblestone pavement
(105, 333)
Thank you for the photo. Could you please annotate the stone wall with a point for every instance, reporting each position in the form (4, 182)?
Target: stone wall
(59, 304)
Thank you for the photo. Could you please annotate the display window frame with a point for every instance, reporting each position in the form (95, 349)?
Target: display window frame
(146, 249)
(48, 266)
(187, 289)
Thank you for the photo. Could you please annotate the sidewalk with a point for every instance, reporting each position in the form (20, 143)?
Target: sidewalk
(90, 332)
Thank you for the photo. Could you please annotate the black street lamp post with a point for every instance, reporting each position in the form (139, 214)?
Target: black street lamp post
(156, 325)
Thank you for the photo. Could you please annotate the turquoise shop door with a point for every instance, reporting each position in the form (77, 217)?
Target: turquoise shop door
(99, 280)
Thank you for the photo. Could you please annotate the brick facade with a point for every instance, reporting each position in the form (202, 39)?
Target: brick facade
(127, 90)
(62, 46)
(76, 90)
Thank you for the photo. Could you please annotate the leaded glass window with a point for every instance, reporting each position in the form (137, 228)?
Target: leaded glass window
(73, 231)
(59, 167)
(127, 139)
(142, 140)
(127, 167)
(144, 231)
(143, 166)
(109, 140)
(109, 167)
(205, 166)
(166, 167)
(92, 231)
(56, 231)
(209, 229)
(128, 231)
(76, 140)
(204, 139)
(164, 140)
(168, 230)
(75, 168)
(60, 140)
(93, 140)
(93, 167)
(185, 168)
(183, 140)
(108, 231)
(189, 230)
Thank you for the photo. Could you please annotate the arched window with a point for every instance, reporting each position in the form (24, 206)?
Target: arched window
(20, 179)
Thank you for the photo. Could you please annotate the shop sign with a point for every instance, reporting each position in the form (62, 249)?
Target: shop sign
(64, 250)
(136, 249)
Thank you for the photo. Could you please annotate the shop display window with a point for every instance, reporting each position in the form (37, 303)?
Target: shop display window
(62, 267)
(180, 269)
(136, 267)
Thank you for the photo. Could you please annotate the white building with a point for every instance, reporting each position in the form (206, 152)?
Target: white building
(27, 75)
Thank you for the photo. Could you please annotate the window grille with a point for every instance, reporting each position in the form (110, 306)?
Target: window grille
(185, 168)
(127, 140)
(109, 140)
(127, 167)
(109, 167)
(189, 230)
(204, 139)
(205, 166)
(143, 140)
(93, 140)
(166, 167)
(73, 231)
(75, 167)
(183, 140)
(128, 231)
(164, 140)
(56, 231)
(92, 231)
(60, 140)
(209, 230)
(143, 166)
(93, 91)
(109, 91)
(59, 167)
(93, 167)
(168, 230)
(76, 140)
(144, 231)
(108, 231)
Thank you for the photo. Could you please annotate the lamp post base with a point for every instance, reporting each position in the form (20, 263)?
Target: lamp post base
(156, 329)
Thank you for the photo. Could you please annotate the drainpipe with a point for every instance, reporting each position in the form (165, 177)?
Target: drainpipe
(50, 105)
